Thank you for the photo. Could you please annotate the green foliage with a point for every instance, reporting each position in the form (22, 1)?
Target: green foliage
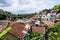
(34, 36)
(2, 38)
(2, 16)
(5, 31)
(7, 15)
(47, 10)
(57, 7)
(54, 32)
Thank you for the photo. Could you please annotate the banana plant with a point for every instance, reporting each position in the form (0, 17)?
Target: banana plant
(5, 31)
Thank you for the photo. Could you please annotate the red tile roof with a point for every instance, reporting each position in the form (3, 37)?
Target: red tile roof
(17, 29)
(40, 30)
(48, 23)
(11, 23)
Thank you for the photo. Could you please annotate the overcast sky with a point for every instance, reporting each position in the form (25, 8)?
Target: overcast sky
(27, 6)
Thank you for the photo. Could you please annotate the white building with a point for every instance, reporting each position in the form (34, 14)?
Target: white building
(44, 18)
(37, 22)
(58, 16)
(49, 16)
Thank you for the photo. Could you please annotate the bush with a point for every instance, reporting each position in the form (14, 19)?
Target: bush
(54, 32)
(34, 36)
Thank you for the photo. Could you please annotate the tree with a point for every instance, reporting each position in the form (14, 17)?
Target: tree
(2, 16)
(34, 36)
(57, 8)
(47, 10)
(54, 32)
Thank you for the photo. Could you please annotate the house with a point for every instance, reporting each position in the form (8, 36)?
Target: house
(3, 25)
(44, 18)
(53, 12)
(49, 23)
(37, 23)
(40, 30)
(57, 18)
(38, 16)
(19, 20)
(16, 33)
(49, 16)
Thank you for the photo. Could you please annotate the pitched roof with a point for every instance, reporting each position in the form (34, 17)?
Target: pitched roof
(17, 29)
(3, 25)
(36, 29)
(40, 30)
(11, 23)
(48, 23)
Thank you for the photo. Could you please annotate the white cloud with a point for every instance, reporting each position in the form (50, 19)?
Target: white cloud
(1, 4)
(27, 5)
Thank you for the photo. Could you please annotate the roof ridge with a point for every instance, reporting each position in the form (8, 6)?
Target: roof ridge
(16, 31)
